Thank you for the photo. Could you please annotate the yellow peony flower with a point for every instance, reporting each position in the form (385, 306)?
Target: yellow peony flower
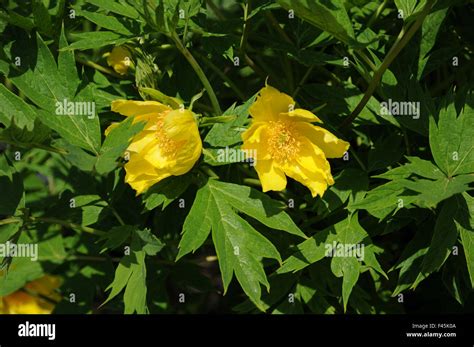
(286, 143)
(32, 300)
(120, 59)
(169, 144)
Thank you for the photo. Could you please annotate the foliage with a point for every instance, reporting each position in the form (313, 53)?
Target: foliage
(210, 240)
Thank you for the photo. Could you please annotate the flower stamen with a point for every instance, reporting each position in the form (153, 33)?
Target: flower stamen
(283, 144)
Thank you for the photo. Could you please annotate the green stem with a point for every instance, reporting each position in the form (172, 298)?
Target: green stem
(84, 61)
(67, 224)
(222, 75)
(33, 145)
(199, 72)
(10, 220)
(377, 13)
(303, 81)
(116, 215)
(403, 38)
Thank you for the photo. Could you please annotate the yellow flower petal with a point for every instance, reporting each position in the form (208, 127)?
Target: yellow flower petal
(110, 128)
(135, 108)
(288, 144)
(314, 180)
(271, 177)
(141, 141)
(21, 302)
(312, 159)
(141, 183)
(169, 145)
(332, 146)
(270, 103)
(302, 115)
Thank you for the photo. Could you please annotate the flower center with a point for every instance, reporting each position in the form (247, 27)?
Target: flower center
(283, 144)
(167, 145)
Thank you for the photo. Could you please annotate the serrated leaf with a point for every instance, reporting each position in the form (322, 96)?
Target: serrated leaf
(15, 110)
(348, 268)
(44, 84)
(239, 247)
(451, 140)
(120, 8)
(444, 237)
(166, 191)
(229, 134)
(331, 17)
(106, 21)
(115, 145)
(131, 275)
(95, 39)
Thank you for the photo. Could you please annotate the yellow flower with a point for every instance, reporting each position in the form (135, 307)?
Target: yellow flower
(168, 145)
(120, 59)
(32, 300)
(284, 142)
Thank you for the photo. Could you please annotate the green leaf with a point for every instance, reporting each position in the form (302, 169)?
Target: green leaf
(105, 21)
(316, 248)
(411, 260)
(406, 7)
(465, 225)
(121, 8)
(151, 244)
(48, 88)
(348, 268)
(384, 199)
(21, 271)
(115, 145)
(117, 236)
(165, 192)
(95, 39)
(444, 238)
(239, 247)
(451, 140)
(328, 16)
(229, 134)
(12, 187)
(42, 17)
(131, 275)
(416, 166)
(386, 151)
(429, 32)
(67, 65)
(15, 110)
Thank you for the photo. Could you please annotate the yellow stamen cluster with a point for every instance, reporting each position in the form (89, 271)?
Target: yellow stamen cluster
(167, 145)
(282, 142)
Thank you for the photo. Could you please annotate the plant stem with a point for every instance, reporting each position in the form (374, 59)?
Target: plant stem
(222, 75)
(90, 63)
(199, 72)
(402, 39)
(34, 145)
(10, 220)
(67, 225)
(377, 13)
